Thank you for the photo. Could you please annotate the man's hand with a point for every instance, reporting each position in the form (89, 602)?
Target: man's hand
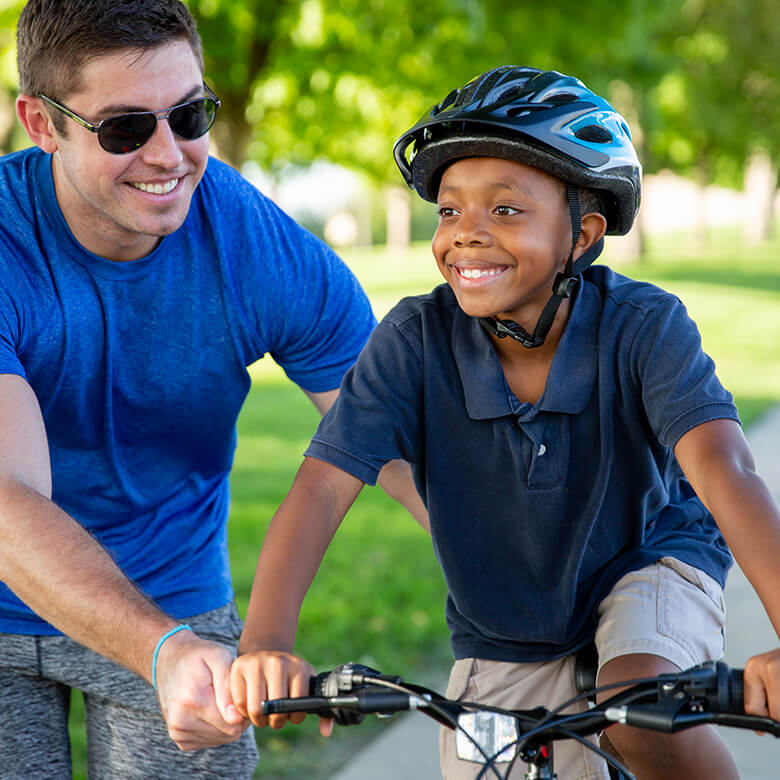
(268, 674)
(193, 685)
(762, 685)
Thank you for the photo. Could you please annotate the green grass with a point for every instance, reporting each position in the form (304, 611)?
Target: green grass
(379, 596)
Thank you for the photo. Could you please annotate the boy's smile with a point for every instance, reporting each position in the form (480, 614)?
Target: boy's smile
(504, 232)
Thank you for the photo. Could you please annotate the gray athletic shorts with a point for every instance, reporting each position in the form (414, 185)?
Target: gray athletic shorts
(126, 735)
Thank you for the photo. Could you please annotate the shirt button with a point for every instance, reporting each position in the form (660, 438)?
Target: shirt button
(542, 449)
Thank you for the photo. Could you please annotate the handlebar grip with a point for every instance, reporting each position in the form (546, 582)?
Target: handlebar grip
(310, 704)
(730, 690)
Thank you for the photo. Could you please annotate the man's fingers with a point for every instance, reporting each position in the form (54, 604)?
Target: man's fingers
(220, 675)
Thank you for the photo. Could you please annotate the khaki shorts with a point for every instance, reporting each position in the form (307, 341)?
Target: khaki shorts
(668, 609)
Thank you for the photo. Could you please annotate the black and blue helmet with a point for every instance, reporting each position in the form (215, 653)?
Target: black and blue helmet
(541, 118)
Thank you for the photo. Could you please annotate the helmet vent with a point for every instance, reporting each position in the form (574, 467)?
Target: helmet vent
(594, 134)
(448, 101)
(515, 91)
(561, 97)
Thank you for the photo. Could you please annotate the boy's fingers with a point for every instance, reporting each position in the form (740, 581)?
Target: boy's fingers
(762, 685)
(754, 696)
(238, 689)
(326, 726)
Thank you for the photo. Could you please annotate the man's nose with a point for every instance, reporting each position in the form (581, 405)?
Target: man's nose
(163, 148)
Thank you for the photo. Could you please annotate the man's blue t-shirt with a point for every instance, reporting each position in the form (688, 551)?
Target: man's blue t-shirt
(140, 367)
(537, 509)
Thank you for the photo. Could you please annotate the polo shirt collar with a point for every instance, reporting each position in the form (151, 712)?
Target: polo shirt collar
(572, 373)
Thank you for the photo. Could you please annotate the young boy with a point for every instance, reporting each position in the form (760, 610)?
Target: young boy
(579, 459)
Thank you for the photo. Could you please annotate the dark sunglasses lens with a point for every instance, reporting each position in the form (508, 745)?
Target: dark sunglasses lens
(123, 134)
(193, 119)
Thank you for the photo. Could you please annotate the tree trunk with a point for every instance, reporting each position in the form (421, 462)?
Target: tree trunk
(760, 189)
(398, 218)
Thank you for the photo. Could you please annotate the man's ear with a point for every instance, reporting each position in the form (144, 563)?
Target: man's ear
(36, 121)
(594, 225)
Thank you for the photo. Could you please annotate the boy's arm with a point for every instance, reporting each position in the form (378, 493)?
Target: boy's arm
(292, 551)
(395, 478)
(66, 577)
(717, 461)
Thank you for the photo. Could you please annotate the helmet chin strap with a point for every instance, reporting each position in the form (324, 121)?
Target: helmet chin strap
(563, 286)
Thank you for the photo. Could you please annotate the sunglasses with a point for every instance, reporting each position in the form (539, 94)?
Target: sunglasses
(128, 132)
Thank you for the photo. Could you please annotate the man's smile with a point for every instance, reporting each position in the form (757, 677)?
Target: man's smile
(156, 188)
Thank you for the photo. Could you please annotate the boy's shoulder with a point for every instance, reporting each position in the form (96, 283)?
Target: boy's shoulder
(619, 290)
(438, 304)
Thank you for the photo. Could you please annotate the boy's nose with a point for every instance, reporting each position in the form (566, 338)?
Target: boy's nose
(471, 235)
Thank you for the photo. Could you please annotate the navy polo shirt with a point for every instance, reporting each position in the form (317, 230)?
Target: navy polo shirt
(537, 509)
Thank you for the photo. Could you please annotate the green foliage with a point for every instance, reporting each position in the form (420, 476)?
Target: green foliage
(308, 79)
(719, 96)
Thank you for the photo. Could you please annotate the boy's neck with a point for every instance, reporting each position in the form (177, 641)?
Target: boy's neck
(526, 369)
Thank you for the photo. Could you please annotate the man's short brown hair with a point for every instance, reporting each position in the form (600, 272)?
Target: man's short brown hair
(55, 39)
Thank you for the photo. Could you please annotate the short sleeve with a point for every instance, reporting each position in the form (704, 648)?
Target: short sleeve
(378, 415)
(679, 387)
(9, 338)
(326, 322)
(289, 295)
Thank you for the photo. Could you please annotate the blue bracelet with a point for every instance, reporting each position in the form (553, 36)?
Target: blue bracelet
(169, 634)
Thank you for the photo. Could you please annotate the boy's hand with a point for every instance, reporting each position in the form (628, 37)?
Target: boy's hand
(270, 674)
(762, 685)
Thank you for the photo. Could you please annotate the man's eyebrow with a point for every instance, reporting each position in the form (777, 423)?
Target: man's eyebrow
(127, 108)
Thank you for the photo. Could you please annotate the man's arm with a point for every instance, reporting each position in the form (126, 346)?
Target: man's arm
(717, 461)
(52, 564)
(395, 478)
(296, 541)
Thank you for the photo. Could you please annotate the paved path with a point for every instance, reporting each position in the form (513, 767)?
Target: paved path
(408, 748)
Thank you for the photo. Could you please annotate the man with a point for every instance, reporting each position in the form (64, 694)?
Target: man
(138, 279)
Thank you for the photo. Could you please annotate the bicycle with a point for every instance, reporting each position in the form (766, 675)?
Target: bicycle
(708, 693)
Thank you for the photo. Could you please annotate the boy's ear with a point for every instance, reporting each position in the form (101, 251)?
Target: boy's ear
(36, 121)
(594, 225)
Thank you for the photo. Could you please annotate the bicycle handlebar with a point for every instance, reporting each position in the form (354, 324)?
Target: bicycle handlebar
(701, 693)
(709, 693)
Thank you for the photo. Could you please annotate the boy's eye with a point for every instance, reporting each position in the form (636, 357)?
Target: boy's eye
(506, 211)
(446, 211)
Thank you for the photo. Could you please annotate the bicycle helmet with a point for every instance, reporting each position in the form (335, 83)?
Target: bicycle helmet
(544, 119)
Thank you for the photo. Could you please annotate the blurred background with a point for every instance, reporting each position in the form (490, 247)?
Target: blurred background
(314, 94)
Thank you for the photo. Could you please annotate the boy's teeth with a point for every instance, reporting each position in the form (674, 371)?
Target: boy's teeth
(157, 189)
(476, 273)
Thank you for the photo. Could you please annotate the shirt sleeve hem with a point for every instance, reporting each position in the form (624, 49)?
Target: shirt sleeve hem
(714, 411)
(364, 471)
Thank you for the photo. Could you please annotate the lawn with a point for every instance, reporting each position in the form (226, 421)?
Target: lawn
(378, 597)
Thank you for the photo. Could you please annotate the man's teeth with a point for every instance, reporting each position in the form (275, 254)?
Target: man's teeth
(157, 189)
(478, 273)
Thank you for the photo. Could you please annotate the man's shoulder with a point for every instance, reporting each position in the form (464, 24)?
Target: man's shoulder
(18, 171)
(226, 198)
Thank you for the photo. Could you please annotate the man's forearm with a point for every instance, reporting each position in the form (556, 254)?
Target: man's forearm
(66, 577)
